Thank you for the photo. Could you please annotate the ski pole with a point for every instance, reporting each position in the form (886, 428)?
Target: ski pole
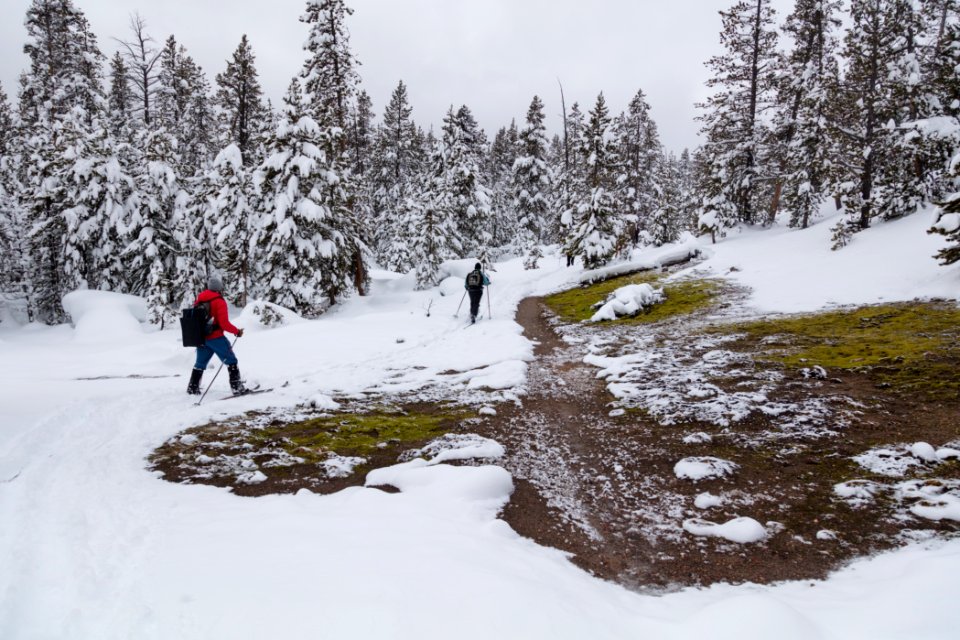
(215, 375)
(489, 313)
(460, 305)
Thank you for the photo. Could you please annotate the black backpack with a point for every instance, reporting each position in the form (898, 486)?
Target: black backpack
(474, 279)
(196, 323)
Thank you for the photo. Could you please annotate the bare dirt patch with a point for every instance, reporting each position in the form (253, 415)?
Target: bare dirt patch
(596, 472)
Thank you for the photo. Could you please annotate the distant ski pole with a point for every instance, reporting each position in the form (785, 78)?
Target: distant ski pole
(489, 313)
(215, 375)
(457, 314)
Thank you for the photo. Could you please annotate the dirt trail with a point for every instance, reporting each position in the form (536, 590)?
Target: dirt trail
(602, 486)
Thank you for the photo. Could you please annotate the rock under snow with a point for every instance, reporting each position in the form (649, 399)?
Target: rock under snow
(628, 301)
(701, 467)
(105, 316)
(924, 451)
(706, 500)
(457, 446)
(741, 530)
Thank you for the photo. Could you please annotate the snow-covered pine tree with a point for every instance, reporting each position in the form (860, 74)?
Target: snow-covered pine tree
(330, 84)
(945, 78)
(239, 99)
(298, 236)
(734, 123)
(498, 175)
(434, 217)
(599, 228)
(869, 172)
(469, 196)
(97, 188)
(200, 128)
(120, 99)
(152, 214)
(59, 99)
(807, 81)
(531, 183)
(665, 223)
(396, 165)
(230, 215)
(11, 224)
(639, 149)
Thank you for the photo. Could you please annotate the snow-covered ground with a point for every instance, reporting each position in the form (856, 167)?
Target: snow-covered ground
(94, 546)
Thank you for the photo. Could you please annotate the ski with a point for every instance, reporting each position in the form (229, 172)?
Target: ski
(251, 392)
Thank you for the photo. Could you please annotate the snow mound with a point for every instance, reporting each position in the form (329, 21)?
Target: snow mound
(937, 500)
(701, 467)
(457, 446)
(706, 500)
(740, 530)
(948, 453)
(924, 451)
(259, 313)
(323, 402)
(452, 286)
(105, 316)
(488, 487)
(627, 301)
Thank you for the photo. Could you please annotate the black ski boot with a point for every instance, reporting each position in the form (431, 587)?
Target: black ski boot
(236, 384)
(194, 387)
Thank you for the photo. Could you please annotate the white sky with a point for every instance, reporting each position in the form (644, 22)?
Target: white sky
(492, 55)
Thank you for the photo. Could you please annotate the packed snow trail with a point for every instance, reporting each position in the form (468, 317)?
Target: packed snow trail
(93, 546)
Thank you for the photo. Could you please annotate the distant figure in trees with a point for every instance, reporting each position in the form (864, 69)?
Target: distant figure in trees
(215, 342)
(475, 281)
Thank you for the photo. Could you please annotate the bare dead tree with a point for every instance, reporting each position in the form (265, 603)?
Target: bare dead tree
(142, 58)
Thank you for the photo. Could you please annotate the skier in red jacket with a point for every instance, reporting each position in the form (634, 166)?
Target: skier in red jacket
(215, 342)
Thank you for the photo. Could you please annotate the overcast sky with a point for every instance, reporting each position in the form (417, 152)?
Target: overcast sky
(492, 55)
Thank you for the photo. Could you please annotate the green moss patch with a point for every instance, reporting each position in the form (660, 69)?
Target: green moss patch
(910, 347)
(256, 455)
(682, 297)
(360, 434)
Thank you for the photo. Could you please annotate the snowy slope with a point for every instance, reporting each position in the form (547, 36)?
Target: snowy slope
(93, 546)
(793, 271)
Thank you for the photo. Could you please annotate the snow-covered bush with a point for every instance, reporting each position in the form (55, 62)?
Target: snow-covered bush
(627, 301)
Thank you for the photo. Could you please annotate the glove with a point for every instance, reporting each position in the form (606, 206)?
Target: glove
(239, 333)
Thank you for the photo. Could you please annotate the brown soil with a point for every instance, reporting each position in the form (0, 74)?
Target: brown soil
(603, 488)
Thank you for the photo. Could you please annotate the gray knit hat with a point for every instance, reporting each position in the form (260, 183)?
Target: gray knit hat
(215, 284)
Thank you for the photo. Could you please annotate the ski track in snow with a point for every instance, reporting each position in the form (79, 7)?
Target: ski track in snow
(93, 546)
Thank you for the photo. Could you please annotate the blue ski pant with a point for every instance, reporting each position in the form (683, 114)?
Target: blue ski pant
(219, 346)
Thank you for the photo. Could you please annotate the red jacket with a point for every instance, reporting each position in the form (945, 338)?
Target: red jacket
(218, 311)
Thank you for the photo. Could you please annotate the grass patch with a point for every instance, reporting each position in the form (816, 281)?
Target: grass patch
(910, 347)
(360, 434)
(682, 297)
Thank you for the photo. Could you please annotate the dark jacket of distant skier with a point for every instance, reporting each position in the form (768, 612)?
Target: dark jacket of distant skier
(215, 342)
(474, 283)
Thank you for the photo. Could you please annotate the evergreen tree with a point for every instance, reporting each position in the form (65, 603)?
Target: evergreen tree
(736, 146)
(120, 101)
(639, 149)
(870, 177)
(152, 216)
(230, 207)
(60, 99)
(329, 85)
(807, 85)
(468, 194)
(434, 216)
(97, 188)
(329, 76)
(240, 101)
(396, 165)
(599, 226)
(299, 235)
(531, 183)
